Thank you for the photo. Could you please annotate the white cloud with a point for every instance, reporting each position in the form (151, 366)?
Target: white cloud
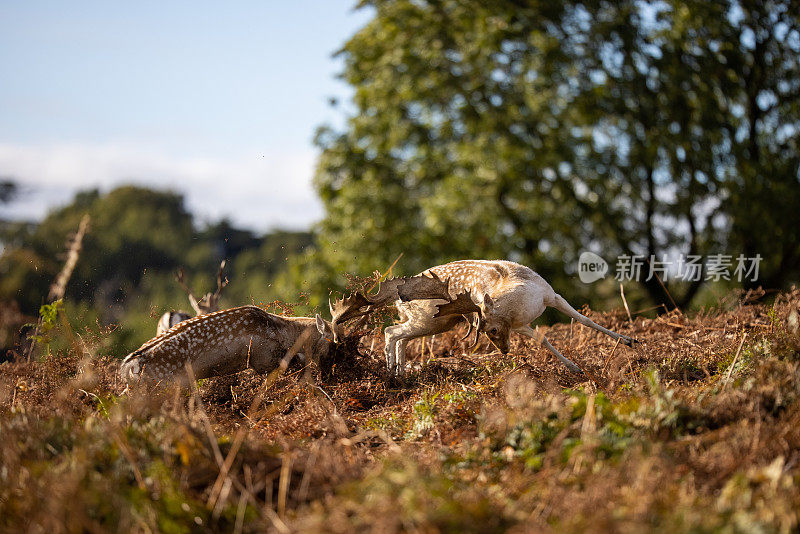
(258, 190)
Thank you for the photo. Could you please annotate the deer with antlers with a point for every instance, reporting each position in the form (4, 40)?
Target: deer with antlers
(209, 303)
(401, 289)
(503, 296)
(232, 340)
(229, 341)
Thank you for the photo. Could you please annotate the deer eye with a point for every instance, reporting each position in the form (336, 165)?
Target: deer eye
(493, 331)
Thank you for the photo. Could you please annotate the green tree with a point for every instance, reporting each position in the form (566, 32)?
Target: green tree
(533, 130)
(763, 184)
(132, 230)
(125, 273)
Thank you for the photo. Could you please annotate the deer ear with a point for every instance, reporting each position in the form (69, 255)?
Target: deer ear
(488, 304)
(321, 326)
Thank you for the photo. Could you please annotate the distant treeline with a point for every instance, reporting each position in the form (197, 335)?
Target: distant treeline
(137, 240)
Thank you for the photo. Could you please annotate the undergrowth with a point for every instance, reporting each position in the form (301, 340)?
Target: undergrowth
(698, 429)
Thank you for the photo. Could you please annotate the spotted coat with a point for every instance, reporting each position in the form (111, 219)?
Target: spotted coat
(509, 295)
(224, 342)
(482, 277)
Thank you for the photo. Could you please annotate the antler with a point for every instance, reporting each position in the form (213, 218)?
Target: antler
(391, 290)
(461, 305)
(210, 301)
(180, 277)
(424, 287)
(472, 325)
(348, 308)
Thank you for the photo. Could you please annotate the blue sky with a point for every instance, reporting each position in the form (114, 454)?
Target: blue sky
(218, 101)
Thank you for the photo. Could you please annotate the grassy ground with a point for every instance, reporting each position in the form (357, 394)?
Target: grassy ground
(696, 429)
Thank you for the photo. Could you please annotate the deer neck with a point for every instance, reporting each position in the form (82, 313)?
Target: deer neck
(297, 325)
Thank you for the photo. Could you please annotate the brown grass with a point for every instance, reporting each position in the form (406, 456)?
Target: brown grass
(697, 428)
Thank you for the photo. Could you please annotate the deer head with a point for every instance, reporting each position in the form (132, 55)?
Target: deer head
(496, 328)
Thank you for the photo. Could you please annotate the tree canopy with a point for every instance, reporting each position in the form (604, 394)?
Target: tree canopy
(534, 130)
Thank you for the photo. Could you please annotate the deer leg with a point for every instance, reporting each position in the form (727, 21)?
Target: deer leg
(571, 366)
(397, 337)
(530, 332)
(563, 306)
(391, 333)
(419, 323)
(401, 355)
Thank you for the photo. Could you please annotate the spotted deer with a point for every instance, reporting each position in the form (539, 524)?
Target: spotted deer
(504, 296)
(229, 341)
(207, 304)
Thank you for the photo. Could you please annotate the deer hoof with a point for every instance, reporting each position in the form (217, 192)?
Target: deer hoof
(629, 341)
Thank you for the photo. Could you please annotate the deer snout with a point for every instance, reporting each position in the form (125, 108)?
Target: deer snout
(338, 333)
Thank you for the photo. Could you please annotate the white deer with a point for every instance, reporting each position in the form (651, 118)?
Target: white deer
(229, 341)
(209, 303)
(505, 296)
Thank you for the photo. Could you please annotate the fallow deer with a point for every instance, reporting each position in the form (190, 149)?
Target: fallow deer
(505, 296)
(229, 341)
(232, 340)
(207, 304)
